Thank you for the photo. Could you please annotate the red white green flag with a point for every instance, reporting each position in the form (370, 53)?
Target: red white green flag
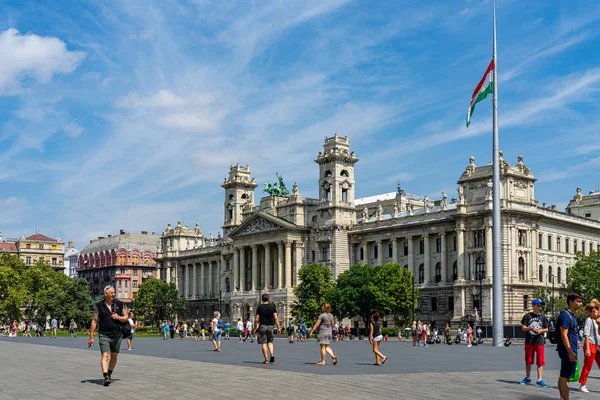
(485, 87)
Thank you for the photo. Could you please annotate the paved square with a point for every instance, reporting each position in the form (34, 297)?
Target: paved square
(44, 368)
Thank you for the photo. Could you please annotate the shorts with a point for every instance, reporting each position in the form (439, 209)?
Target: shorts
(110, 344)
(130, 337)
(567, 367)
(216, 335)
(265, 334)
(378, 338)
(70, 330)
(531, 350)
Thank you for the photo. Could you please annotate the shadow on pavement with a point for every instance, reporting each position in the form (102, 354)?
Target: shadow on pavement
(98, 381)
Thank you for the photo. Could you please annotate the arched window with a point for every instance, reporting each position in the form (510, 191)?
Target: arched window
(327, 174)
(541, 273)
(521, 268)
(406, 266)
(558, 273)
(421, 273)
(550, 274)
(227, 285)
(344, 173)
(231, 197)
(454, 271)
(479, 268)
(438, 272)
(567, 274)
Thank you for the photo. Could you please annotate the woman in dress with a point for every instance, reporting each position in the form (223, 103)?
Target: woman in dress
(375, 337)
(323, 327)
(469, 335)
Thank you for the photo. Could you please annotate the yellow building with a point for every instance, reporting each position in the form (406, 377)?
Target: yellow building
(40, 247)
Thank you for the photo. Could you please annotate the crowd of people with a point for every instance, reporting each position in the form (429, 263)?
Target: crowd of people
(30, 328)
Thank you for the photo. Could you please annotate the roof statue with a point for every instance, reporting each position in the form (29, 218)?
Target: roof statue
(277, 189)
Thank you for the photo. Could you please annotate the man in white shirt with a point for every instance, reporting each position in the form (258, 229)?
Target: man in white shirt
(54, 326)
(240, 329)
(250, 333)
(133, 324)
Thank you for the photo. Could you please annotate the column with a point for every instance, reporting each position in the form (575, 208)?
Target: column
(488, 253)
(220, 270)
(380, 252)
(460, 253)
(279, 265)
(288, 263)
(168, 273)
(267, 274)
(195, 280)
(299, 257)
(365, 247)
(254, 267)
(411, 258)
(395, 258)
(210, 279)
(444, 259)
(186, 286)
(236, 269)
(201, 280)
(242, 269)
(427, 260)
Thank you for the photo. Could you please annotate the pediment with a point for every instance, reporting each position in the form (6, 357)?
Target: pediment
(261, 222)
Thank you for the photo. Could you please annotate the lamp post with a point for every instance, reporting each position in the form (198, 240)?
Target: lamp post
(480, 276)
(413, 299)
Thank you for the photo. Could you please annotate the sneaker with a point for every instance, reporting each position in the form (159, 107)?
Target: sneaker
(541, 383)
(272, 359)
(525, 381)
(107, 381)
(583, 389)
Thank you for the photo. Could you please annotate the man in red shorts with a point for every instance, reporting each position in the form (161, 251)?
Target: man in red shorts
(535, 324)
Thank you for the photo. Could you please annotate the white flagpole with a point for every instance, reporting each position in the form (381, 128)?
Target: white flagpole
(498, 312)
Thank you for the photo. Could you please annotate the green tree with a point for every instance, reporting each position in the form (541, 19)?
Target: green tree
(157, 300)
(392, 288)
(312, 291)
(352, 295)
(45, 287)
(13, 290)
(76, 302)
(583, 276)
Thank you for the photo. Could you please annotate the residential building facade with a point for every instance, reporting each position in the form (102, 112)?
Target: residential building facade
(39, 247)
(585, 206)
(71, 257)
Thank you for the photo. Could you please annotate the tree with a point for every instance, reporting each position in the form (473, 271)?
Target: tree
(76, 302)
(583, 276)
(45, 288)
(392, 288)
(551, 304)
(13, 290)
(157, 300)
(312, 291)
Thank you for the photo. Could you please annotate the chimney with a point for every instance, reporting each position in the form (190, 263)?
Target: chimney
(122, 231)
(91, 240)
(553, 207)
(543, 205)
(144, 232)
(70, 245)
(100, 237)
(109, 235)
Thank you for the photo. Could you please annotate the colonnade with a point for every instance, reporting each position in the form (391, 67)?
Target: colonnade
(196, 280)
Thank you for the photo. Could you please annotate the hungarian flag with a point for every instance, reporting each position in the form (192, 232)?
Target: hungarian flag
(485, 87)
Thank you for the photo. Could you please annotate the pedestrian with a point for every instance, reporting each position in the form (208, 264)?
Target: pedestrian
(290, 329)
(196, 330)
(264, 321)
(109, 317)
(535, 324)
(227, 330)
(72, 328)
(133, 323)
(184, 331)
(249, 331)
(27, 329)
(165, 330)
(375, 338)
(217, 328)
(54, 326)
(203, 328)
(413, 331)
(240, 329)
(172, 330)
(591, 343)
(324, 334)
(447, 334)
(469, 336)
(568, 343)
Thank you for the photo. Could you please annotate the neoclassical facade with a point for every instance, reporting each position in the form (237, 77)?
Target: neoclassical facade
(445, 243)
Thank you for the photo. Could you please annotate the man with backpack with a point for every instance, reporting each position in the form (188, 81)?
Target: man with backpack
(535, 324)
(568, 342)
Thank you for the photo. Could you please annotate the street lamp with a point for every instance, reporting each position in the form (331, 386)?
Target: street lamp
(480, 276)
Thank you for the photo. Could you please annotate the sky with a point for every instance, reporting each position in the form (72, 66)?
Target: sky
(127, 114)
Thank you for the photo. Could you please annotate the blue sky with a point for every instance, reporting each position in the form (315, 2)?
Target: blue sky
(127, 114)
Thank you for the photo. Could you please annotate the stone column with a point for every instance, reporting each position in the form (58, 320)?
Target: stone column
(366, 255)
(444, 259)
(460, 253)
(195, 280)
(220, 270)
(236, 269)
(210, 279)
(186, 286)
(299, 258)
(267, 274)
(427, 260)
(488, 253)
(288, 263)
(411, 257)
(380, 252)
(395, 258)
(168, 273)
(279, 265)
(242, 269)
(254, 267)
(201, 280)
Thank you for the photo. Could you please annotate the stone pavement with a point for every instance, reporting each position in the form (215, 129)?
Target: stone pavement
(63, 368)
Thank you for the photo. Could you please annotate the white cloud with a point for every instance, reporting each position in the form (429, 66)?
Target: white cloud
(73, 129)
(30, 55)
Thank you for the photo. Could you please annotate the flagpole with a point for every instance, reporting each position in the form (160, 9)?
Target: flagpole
(498, 312)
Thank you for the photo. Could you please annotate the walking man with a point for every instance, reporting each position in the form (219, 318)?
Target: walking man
(54, 326)
(109, 316)
(133, 323)
(568, 343)
(535, 324)
(265, 319)
(240, 329)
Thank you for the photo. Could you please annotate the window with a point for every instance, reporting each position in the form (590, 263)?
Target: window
(122, 271)
(53, 247)
(144, 274)
(550, 277)
(135, 284)
(314, 255)
(120, 283)
(454, 271)
(476, 302)
(344, 195)
(421, 273)
(28, 260)
(438, 272)
(434, 304)
(479, 268)
(344, 173)
(421, 247)
(566, 245)
(567, 274)
(455, 245)
(557, 244)
(327, 174)
(525, 302)
(405, 248)
(390, 250)
(438, 245)
(588, 215)
(451, 303)
(54, 261)
(583, 246)
(591, 247)
(362, 253)
(41, 247)
(558, 275)
(575, 246)
(541, 273)
(126, 283)
(227, 285)
(522, 237)
(135, 272)
(540, 240)
(375, 251)
(521, 268)
(479, 238)
(549, 243)
(325, 254)
(28, 246)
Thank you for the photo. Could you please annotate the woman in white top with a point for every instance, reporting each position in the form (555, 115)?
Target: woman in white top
(591, 343)
(216, 331)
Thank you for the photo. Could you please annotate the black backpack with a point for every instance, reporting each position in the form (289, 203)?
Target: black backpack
(553, 329)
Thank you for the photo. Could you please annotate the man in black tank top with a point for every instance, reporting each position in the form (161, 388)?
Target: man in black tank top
(109, 316)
